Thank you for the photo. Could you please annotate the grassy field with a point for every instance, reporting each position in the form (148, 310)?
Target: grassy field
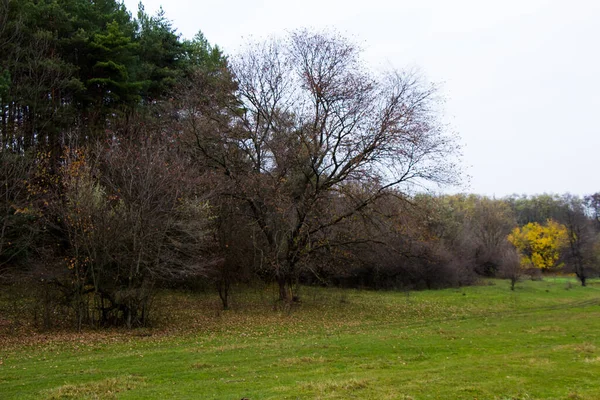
(482, 342)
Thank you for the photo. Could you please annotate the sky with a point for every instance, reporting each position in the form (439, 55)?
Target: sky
(521, 78)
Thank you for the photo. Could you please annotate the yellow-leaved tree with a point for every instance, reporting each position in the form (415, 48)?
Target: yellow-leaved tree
(539, 245)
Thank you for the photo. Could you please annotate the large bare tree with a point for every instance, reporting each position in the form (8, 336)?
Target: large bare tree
(313, 138)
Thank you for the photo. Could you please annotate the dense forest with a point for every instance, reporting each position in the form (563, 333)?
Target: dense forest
(133, 160)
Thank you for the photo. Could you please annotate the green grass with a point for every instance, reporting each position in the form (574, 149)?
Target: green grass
(481, 342)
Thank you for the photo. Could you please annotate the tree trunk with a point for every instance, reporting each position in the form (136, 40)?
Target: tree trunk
(223, 288)
(283, 293)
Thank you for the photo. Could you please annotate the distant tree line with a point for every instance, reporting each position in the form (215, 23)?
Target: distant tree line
(132, 159)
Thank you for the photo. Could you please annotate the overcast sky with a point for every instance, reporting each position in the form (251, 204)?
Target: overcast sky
(521, 78)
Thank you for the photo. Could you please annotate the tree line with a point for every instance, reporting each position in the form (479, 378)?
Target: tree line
(132, 159)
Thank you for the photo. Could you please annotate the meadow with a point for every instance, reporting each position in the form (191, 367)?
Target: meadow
(541, 341)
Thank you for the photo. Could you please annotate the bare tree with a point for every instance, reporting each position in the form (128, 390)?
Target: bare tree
(315, 138)
(511, 267)
(483, 225)
(132, 215)
(580, 236)
(592, 204)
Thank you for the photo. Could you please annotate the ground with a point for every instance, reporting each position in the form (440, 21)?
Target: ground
(481, 342)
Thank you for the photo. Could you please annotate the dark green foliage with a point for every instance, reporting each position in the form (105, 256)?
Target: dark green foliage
(200, 53)
(161, 52)
(112, 79)
(76, 65)
(4, 84)
(17, 222)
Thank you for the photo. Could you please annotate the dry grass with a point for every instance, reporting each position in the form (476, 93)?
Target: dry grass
(106, 389)
(335, 386)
